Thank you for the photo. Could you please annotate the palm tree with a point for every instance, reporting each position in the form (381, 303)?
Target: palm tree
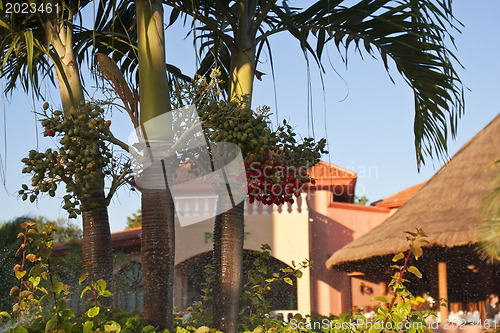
(31, 45)
(410, 34)
(157, 242)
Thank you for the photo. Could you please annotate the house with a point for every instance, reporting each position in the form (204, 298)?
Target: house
(319, 223)
(449, 210)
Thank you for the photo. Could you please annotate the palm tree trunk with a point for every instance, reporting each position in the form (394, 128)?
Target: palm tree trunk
(97, 251)
(242, 74)
(229, 225)
(68, 76)
(157, 253)
(96, 248)
(70, 85)
(157, 244)
(228, 266)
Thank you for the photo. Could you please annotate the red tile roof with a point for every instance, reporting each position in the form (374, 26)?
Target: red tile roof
(398, 199)
(325, 170)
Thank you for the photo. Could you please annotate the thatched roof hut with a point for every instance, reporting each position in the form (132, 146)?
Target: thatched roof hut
(447, 207)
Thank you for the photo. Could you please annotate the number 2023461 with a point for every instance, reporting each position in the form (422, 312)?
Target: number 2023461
(30, 8)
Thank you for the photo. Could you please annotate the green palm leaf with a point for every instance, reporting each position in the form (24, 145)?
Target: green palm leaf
(411, 35)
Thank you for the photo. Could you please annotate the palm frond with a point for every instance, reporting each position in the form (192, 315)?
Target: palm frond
(489, 233)
(414, 35)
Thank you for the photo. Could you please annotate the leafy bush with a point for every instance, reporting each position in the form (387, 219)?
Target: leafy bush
(41, 299)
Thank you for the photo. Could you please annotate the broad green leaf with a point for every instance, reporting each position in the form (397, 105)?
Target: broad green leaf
(417, 251)
(415, 271)
(45, 252)
(35, 281)
(258, 329)
(375, 330)
(92, 312)
(84, 291)
(67, 314)
(36, 270)
(288, 280)
(68, 327)
(398, 256)
(57, 287)
(100, 286)
(20, 274)
(112, 326)
(61, 305)
(148, 329)
(87, 327)
(107, 293)
(83, 277)
(383, 299)
(49, 327)
(19, 329)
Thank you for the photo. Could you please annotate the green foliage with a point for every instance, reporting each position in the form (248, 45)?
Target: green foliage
(276, 161)
(135, 220)
(199, 313)
(254, 302)
(414, 36)
(41, 307)
(361, 200)
(82, 155)
(61, 230)
(41, 295)
(489, 233)
(39, 292)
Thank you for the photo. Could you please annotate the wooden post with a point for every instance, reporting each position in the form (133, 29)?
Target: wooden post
(383, 292)
(443, 290)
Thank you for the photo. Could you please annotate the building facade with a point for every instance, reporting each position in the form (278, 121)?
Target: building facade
(321, 221)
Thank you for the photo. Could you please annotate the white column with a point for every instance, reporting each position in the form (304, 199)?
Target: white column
(196, 207)
(178, 207)
(206, 208)
(246, 206)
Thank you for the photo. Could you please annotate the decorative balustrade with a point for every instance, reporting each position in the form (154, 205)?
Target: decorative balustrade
(284, 315)
(205, 206)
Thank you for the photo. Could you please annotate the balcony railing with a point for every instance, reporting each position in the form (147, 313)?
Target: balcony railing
(205, 206)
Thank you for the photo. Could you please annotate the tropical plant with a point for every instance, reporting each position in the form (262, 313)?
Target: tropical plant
(41, 305)
(61, 230)
(31, 44)
(411, 34)
(275, 171)
(157, 240)
(489, 232)
(135, 220)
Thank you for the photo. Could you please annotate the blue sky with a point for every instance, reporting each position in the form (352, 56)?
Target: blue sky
(368, 120)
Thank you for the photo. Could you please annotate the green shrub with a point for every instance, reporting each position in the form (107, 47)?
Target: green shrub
(41, 299)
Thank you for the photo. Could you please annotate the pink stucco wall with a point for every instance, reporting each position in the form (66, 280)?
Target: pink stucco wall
(332, 226)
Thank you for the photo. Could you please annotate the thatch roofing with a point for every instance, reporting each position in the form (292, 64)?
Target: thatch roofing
(447, 207)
